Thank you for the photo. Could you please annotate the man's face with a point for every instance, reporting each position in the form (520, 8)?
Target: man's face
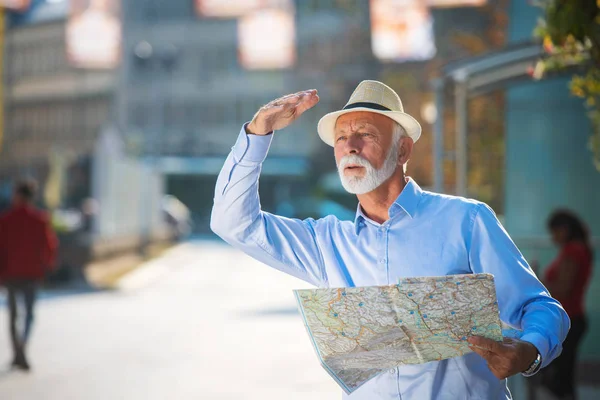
(364, 152)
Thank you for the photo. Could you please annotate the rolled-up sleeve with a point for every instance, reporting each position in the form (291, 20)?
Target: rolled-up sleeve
(287, 244)
(523, 301)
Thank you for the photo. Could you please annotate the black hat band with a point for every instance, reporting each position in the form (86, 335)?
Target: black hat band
(366, 104)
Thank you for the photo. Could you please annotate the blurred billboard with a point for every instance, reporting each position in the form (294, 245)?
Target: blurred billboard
(401, 30)
(15, 5)
(93, 34)
(455, 3)
(267, 39)
(237, 8)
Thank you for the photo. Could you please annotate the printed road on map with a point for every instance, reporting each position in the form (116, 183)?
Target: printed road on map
(361, 332)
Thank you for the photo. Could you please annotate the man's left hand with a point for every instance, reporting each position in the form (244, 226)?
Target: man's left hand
(505, 359)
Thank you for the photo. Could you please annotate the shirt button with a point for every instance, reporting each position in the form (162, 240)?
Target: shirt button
(383, 260)
(392, 371)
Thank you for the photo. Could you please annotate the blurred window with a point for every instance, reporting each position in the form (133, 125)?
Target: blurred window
(37, 125)
(152, 11)
(61, 123)
(68, 123)
(231, 59)
(90, 117)
(51, 121)
(175, 115)
(140, 114)
(350, 6)
(17, 64)
(18, 122)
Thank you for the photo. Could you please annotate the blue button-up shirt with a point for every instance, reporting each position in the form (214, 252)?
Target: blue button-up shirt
(427, 234)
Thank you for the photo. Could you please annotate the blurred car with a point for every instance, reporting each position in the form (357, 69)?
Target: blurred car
(177, 216)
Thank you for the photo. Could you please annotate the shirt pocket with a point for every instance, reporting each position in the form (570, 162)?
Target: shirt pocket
(435, 259)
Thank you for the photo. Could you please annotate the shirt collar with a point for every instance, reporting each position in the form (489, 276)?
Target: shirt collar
(408, 200)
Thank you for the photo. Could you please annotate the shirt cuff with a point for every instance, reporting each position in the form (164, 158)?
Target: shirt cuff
(251, 149)
(541, 344)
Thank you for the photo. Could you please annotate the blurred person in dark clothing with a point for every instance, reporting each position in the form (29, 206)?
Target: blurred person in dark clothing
(27, 251)
(567, 279)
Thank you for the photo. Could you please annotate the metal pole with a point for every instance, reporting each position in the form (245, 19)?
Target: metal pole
(460, 95)
(438, 137)
(120, 103)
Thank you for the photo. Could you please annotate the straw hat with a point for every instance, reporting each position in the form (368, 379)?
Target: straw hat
(371, 96)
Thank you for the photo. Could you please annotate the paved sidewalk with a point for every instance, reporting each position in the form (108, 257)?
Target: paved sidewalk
(201, 322)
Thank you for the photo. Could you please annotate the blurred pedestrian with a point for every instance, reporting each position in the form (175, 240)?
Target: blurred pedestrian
(567, 278)
(27, 251)
(399, 230)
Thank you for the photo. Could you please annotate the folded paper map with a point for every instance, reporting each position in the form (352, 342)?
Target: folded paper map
(361, 332)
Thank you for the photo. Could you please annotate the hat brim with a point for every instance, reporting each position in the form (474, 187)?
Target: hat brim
(326, 126)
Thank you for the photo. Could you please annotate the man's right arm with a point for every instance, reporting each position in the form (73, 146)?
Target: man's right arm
(288, 245)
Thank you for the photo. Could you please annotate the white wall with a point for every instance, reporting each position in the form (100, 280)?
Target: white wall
(128, 192)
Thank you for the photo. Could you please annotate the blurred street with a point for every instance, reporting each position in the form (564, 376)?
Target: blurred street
(201, 322)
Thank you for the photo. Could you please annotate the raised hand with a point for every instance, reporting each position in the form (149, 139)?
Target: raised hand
(282, 112)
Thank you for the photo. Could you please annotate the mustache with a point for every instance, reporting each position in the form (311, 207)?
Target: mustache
(353, 159)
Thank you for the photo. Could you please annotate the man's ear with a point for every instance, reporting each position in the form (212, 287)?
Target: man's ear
(405, 150)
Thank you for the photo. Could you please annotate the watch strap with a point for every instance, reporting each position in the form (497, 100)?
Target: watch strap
(534, 367)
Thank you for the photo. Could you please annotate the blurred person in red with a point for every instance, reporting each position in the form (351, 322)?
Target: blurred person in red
(27, 251)
(567, 279)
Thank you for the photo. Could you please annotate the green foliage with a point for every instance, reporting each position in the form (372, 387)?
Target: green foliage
(58, 224)
(570, 31)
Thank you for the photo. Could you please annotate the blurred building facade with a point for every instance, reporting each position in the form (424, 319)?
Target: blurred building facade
(58, 129)
(50, 107)
(181, 95)
(185, 94)
(547, 163)
(549, 166)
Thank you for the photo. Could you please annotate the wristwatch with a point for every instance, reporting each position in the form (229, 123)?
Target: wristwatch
(534, 367)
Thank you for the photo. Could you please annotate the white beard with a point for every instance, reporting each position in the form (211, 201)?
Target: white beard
(373, 178)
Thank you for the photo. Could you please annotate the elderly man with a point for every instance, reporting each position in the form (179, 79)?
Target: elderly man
(400, 230)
